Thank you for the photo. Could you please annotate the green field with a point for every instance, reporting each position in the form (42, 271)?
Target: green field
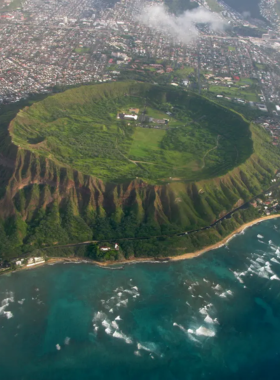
(184, 73)
(214, 5)
(145, 142)
(82, 50)
(235, 92)
(14, 4)
(80, 129)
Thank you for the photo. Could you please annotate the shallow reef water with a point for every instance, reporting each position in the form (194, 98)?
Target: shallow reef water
(213, 317)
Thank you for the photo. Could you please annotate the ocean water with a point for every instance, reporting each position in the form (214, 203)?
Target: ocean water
(213, 317)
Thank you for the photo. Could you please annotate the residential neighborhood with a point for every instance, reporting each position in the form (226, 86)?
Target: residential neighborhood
(45, 45)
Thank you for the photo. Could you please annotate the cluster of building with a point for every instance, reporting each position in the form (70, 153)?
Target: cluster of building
(48, 44)
(106, 248)
(269, 203)
(269, 10)
(272, 125)
(30, 262)
(124, 116)
(145, 121)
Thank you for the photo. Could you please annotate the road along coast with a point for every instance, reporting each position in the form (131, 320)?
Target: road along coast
(224, 241)
(184, 256)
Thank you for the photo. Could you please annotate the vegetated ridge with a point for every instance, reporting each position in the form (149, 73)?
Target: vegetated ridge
(46, 201)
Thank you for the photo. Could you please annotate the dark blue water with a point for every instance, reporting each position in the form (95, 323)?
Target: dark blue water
(213, 317)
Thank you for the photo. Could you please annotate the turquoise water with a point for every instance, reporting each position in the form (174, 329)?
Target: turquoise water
(213, 317)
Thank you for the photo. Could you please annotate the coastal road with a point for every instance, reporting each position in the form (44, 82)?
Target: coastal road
(227, 216)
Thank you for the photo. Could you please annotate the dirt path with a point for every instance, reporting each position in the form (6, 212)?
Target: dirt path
(128, 159)
(141, 162)
(210, 150)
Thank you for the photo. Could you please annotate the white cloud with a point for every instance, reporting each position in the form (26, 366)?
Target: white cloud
(180, 27)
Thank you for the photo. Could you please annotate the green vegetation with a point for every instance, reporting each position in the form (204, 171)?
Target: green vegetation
(165, 246)
(247, 31)
(183, 73)
(262, 66)
(214, 5)
(14, 4)
(82, 50)
(235, 92)
(51, 191)
(80, 129)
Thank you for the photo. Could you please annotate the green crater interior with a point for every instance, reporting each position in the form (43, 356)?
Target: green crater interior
(80, 128)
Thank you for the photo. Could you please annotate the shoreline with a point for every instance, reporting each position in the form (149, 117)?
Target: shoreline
(224, 241)
(184, 256)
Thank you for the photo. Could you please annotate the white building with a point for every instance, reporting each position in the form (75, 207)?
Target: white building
(129, 117)
(105, 249)
(35, 261)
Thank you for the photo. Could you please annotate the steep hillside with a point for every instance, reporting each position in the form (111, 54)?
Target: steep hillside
(46, 202)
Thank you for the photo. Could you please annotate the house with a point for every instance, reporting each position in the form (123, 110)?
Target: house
(131, 117)
(158, 121)
(35, 261)
(261, 107)
(105, 249)
(254, 204)
(127, 117)
(117, 247)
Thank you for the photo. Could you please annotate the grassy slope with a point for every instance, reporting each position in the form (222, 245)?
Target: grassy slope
(235, 92)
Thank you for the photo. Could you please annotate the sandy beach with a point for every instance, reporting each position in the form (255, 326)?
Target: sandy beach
(224, 241)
